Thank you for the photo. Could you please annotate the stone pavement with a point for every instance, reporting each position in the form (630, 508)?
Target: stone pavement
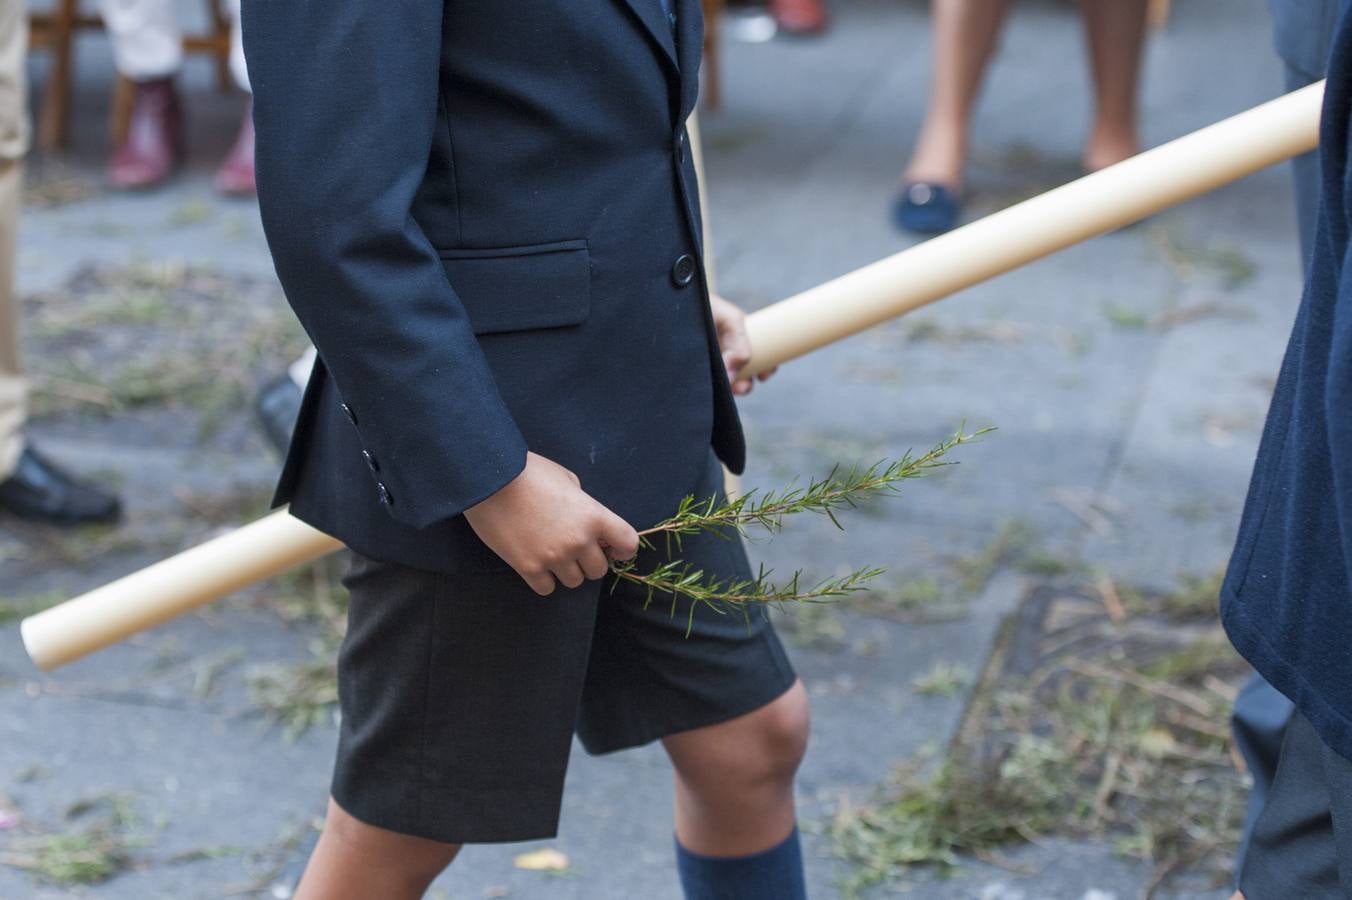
(1128, 378)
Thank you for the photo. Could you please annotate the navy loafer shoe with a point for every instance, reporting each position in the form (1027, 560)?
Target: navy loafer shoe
(926, 208)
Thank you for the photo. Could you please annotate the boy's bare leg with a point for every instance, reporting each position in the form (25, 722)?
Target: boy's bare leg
(1115, 30)
(734, 780)
(357, 861)
(964, 37)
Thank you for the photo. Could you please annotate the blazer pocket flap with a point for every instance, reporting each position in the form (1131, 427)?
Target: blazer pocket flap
(520, 288)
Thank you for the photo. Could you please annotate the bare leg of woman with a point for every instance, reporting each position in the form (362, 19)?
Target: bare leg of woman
(1115, 30)
(964, 37)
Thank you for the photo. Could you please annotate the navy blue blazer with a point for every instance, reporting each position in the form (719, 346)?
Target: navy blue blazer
(485, 214)
(1287, 597)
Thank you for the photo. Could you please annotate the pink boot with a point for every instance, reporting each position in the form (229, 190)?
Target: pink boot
(236, 175)
(153, 146)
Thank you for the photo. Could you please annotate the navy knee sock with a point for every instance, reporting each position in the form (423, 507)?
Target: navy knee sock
(774, 874)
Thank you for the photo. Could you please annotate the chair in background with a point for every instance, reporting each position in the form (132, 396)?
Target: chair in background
(54, 31)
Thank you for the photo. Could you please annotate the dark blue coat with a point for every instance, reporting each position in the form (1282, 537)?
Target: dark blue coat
(485, 214)
(1287, 597)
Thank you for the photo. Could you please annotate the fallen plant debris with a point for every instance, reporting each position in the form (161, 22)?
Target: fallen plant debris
(1098, 728)
(156, 335)
(87, 853)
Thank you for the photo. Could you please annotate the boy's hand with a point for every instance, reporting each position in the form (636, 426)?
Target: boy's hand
(546, 528)
(734, 342)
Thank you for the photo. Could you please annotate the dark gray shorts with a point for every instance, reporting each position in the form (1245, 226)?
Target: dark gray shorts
(1302, 839)
(460, 694)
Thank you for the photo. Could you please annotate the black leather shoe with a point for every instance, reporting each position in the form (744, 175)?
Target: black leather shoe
(277, 406)
(41, 492)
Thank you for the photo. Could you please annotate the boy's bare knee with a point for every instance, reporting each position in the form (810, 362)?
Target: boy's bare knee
(763, 747)
(784, 732)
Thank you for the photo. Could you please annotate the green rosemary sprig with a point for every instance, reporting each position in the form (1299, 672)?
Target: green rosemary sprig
(839, 490)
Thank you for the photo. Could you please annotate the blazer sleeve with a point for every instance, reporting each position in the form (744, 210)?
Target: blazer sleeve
(345, 104)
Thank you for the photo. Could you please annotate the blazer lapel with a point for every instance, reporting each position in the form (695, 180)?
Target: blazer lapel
(689, 49)
(649, 12)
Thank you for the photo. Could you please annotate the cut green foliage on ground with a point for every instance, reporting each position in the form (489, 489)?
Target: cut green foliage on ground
(1082, 726)
(99, 834)
(1228, 265)
(301, 695)
(118, 339)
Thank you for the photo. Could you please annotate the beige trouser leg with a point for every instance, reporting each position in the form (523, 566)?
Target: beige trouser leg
(13, 143)
(13, 387)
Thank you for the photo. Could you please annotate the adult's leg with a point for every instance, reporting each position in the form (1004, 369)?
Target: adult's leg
(357, 861)
(734, 780)
(964, 34)
(30, 486)
(1115, 30)
(13, 143)
(1294, 848)
(13, 387)
(1259, 722)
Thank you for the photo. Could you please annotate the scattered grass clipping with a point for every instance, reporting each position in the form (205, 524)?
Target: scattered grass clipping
(85, 854)
(1088, 749)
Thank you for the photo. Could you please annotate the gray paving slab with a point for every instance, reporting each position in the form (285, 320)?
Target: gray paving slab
(1122, 447)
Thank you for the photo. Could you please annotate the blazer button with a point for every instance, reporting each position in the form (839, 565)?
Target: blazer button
(370, 461)
(683, 270)
(384, 492)
(347, 411)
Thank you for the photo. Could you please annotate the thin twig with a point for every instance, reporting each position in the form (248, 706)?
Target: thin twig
(1163, 689)
(837, 491)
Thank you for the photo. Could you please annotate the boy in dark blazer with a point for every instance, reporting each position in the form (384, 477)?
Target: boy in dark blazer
(486, 216)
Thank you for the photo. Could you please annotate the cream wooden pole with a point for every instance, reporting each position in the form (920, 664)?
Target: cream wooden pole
(207, 572)
(732, 484)
(1095, 204)
(697, 154)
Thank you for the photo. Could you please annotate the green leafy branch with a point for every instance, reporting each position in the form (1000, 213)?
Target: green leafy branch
(841, 489)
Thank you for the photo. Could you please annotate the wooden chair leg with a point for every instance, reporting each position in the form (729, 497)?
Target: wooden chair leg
(220, 30)
(1157, 13)
(56, 97)
(713, 74)
(119, 120)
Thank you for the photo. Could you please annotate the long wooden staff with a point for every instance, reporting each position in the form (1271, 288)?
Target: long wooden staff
(1098, 203)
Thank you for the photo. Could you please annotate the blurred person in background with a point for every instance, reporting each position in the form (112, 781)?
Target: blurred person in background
(31, 487)
(965, 33)
(1284, 600)
(800, 17)
(797, 18)
(148, 49)
(1303, 37)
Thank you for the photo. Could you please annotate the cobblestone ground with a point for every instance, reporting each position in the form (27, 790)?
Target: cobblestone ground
(1061, 567)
